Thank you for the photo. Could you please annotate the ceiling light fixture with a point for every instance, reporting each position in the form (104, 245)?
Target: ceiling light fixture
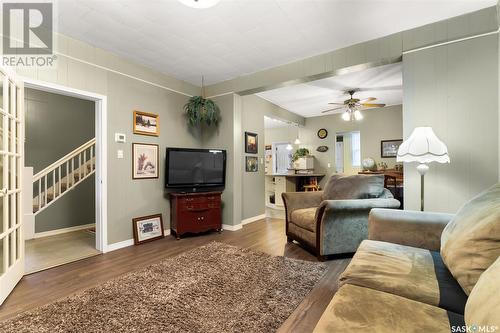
(200, 4)
(352, 114)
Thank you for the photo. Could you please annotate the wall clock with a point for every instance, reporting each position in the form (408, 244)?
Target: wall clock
(322, 133)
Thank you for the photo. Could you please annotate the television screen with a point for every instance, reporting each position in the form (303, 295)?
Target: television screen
(195, 167)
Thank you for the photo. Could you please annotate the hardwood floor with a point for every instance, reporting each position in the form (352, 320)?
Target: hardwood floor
(264, 235)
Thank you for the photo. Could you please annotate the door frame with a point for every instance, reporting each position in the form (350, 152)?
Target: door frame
(101, 181)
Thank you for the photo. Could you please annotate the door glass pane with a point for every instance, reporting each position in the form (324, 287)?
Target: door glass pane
(13, 99)
(18, 243)
(1, 214)
(9, 258)
(9, 134)
(1, 89)
(1, 256)
(9, 199)
(10, 100)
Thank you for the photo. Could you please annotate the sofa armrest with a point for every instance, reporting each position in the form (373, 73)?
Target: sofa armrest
(300, 200)
(358, 204)
(405, 227)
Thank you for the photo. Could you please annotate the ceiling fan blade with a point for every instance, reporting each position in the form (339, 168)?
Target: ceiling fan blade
(372, 105)
(337, 103)
(330, 110)
(369, 99)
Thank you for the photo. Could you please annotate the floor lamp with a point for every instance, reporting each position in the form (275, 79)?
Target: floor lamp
(423, 146)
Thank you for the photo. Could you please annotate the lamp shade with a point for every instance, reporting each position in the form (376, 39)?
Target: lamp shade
(423, 146)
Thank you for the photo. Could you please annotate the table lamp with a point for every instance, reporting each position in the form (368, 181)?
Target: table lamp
(423, 146)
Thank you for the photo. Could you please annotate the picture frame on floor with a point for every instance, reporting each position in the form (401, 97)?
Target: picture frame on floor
(251, 143)
(146, 123)
(147, 228)
(145, 161)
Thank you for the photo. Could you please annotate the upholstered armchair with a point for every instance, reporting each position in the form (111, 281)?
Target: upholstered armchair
(335, 221)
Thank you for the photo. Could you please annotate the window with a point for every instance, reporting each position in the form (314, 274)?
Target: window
(356, 149)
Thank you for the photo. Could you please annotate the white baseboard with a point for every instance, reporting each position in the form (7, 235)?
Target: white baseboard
(126, 243)
(231, 227)
(253, 219)
(63, 231)
(120, 245)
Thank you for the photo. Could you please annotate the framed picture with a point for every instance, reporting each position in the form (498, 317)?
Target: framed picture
(389, 148)
(251, 143)
(147, 228)
(146, 123)
(251, 164)
(145, 161)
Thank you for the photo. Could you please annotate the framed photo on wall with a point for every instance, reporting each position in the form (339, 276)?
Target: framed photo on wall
(146, 123)
(147, 228)
(145, 161)
(251, 163)
(251, 143)
(389, 148)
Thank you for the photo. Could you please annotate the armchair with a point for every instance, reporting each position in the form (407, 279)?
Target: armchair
(329, 227)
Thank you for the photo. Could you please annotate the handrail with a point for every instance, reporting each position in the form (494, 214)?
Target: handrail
(63, 159)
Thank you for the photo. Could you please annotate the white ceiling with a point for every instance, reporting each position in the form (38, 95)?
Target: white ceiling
(309, 99)
(238, 37)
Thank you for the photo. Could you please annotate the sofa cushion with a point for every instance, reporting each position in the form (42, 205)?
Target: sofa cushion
(305, 218)
(470, 243)
(410, 272)
(340, 187)
(483, 306)
(358, 309)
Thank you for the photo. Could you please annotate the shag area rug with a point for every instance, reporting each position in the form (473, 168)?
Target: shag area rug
(214, 288)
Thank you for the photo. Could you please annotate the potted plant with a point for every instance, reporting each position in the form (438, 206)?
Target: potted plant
(200, 110)
(302, 160)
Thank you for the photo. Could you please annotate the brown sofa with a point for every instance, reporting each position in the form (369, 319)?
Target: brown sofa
(335, 221)
(423, 272)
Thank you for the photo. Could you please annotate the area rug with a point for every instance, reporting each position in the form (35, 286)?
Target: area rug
(214, 288)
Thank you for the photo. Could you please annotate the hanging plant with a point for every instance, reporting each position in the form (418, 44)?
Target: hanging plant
(200, 110)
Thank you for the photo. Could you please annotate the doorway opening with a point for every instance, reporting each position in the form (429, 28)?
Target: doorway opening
(64, 169)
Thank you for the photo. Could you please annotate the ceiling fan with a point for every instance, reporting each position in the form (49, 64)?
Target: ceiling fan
(353, 105)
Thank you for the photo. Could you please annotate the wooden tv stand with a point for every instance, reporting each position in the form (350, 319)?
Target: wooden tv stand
(195, 212)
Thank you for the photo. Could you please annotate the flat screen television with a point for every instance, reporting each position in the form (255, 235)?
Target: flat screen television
(195, 168)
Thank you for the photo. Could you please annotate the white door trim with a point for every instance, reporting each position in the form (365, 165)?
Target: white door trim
(101, 181)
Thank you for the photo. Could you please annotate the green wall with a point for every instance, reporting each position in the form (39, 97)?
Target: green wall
(56, 125)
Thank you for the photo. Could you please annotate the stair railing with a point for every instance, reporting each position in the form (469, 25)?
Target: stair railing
(58, 178)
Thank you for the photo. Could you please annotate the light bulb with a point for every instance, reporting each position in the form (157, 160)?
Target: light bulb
(289, 147)
(358, 115)
(346, 116)
(199, 3)
(296, 142)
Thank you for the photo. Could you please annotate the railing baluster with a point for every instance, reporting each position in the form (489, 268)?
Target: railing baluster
(53, 184)
(60, 179)
(39, 193)
(45, 191)
(67, 175)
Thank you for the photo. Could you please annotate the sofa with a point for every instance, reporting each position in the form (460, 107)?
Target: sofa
(335, 221)
(423, 272)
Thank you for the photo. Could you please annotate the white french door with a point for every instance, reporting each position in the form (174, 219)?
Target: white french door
(11, 164)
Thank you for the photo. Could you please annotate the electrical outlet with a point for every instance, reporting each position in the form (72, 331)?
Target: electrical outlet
(329, 165)
(119, 153)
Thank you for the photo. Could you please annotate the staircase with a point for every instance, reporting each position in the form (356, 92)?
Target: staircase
(62, 176)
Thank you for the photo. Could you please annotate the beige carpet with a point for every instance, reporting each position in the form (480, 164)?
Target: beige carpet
(214, 288)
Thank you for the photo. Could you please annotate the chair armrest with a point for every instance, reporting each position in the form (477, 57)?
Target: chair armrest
(300, 200)
(405, 227)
